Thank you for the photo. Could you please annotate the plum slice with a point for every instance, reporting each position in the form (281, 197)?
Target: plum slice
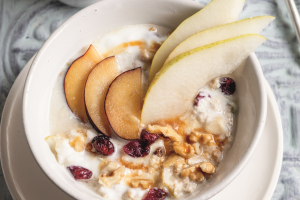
(75, 79)
(96, 88)
(123, 103)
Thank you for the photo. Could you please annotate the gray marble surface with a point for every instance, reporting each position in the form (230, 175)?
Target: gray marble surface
(26, 24)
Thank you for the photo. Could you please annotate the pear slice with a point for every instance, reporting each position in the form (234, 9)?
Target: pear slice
(174, 88)
(216, 13)
(246, 26)
(123, 104)
(95, 91)
(75, 79)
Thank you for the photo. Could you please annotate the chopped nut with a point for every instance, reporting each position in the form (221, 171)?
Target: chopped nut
(153, 29)
(207, 139)
(207, 167)
(174, 159)
(197, 149)
(110, 167)
(204, 138)
(133, 164)
(115, 178)
(160, 151)
(195, 136)
(220, 140)
(78, 139)
(167, 131)
(143, 183)
(178, 167)
(194, 173)
(146, 55)
(78, 144)
(184, 149)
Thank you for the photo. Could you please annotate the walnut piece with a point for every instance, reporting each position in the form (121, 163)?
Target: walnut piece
(184, 149)
(221, 140)
(204, 138)
(160, 151)
(195, 136)
(207, 167)
(197, 149)
(194, 173)
(207, 139)
(78, 139)
(167, 131)
(109, 168)
(115, 178)
(142, 183)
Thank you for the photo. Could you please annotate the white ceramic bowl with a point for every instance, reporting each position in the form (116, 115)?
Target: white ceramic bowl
(68, 42)
(79, 3)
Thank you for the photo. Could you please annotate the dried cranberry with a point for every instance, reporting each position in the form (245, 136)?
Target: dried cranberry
(80, 172)
(102, 145)
(101, 136)
(200, 96)
(227, 85)
(156, 194)
(136, 148)
(148, 138)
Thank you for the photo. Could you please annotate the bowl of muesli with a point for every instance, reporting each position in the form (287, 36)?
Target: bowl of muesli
(117, 106)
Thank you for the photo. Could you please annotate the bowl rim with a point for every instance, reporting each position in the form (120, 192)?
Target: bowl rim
(261, 115)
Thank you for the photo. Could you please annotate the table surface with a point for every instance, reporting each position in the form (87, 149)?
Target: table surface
(26, 24)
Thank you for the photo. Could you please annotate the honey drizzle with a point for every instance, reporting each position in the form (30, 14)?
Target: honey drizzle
(122, 47)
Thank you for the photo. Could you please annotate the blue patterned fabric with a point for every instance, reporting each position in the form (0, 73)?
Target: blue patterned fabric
(26, 24)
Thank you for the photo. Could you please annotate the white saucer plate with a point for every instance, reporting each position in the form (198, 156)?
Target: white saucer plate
(27, 181)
